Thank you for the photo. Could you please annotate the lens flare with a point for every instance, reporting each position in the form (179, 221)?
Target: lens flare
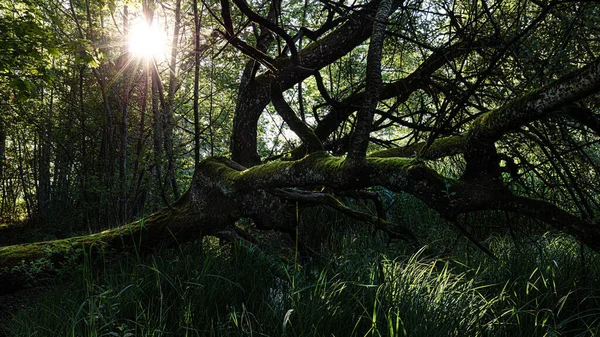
(147, 41)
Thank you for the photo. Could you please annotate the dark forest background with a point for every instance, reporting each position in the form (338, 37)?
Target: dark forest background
(302, 168)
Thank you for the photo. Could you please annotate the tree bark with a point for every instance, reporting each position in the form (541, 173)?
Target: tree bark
(222, 192)
(254, 97)
(124, 185)
(364, 118)
(2, 145)
(196, 82)
(169, 109)
(43, 184)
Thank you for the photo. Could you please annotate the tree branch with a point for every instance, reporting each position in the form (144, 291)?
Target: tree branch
(306, 134)
(243, 6)
(360, 140)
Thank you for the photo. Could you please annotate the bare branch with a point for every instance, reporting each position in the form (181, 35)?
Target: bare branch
(360, 140)
(243, 6)
(306, 134)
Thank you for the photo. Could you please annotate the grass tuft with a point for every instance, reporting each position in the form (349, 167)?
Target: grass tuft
(541, 289)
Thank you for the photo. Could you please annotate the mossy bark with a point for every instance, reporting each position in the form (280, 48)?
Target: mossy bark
(223, 191)
(23, 264)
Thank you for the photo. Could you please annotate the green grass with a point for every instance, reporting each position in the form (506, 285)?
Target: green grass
(551, 287)
(544, 285)
(537, 289)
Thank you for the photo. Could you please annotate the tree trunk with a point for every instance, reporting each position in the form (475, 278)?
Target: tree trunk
(222, 191)
(138, 194)
(169, 112)
(124, 184)
(254, 97)
(364, 118)
(196, 82)
(2, 145)
(43, 186)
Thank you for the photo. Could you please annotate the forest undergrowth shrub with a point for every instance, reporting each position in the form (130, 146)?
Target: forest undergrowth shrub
(359, 286)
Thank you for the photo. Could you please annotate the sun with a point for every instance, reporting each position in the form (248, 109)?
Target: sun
(147, 41)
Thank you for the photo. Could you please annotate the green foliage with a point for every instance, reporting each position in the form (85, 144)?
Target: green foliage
(549, 287)
(539, 289)
(27, 47)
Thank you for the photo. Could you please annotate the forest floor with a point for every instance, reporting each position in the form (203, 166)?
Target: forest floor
(10, 304)
(24, 299)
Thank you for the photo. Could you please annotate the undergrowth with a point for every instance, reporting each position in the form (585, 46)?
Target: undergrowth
(357, 285)
(542, 289)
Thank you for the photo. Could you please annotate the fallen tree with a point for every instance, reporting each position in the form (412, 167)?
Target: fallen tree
(223, 191)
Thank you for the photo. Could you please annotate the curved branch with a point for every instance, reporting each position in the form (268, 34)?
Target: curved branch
(250, 51)
(553, 98)
(243, 6)
(396, 231)
(557, 98)
(255, 97)
(402, 88)
(306, 134)
(440, 148)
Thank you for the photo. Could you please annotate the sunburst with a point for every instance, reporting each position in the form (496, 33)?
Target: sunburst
(147, 41)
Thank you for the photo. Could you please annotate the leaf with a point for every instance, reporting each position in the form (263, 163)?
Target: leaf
(53, 51)
(23, 88)
(83, 57)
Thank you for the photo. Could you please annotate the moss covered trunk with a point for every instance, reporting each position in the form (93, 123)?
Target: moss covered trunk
(22, 265)
(223, 191)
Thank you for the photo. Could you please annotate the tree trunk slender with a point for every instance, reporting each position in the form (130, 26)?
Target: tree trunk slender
(2, 145)
(124, 184)
(360, 139)
(169, 113)
(196, 82)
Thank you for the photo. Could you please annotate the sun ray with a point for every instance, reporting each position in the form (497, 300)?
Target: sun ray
(147, 41)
